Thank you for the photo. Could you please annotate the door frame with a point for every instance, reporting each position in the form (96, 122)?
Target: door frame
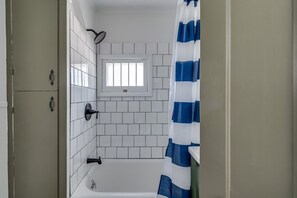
(294, 7)
(62, 97)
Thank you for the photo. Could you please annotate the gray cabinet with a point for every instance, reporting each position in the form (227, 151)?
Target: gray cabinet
(35, 145)
(35, 43)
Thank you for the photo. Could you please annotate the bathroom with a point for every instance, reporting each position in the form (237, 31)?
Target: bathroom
(107, 98)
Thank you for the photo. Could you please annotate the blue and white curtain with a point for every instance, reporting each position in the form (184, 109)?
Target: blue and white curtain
(184, 104)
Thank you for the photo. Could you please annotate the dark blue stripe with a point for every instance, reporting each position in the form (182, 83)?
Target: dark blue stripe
(179, 153)
(189, 1)
(188, 32)
(186, 112)
(187, 71)
(170, 190)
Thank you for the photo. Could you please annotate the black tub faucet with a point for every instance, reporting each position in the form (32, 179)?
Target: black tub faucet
(94, 160)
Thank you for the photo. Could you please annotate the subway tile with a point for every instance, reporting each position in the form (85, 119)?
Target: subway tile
(151, 141)
(76, 161)
(116, 118)
(163, 118)
(165, 129)
(157, 60)
(122, 153)
(166, 83)
(151, 118)
(133, 153)
(104, 141)
(139, 48)
(101, 152)
(167, 60)
(133, 106)
(145, 152)
(151, 48)
(163, 48)
(139, 118)
(157, 152)
(110, 106)
(122, 106)
(73, 182)
(117, 48)
(105, 48)
(133, 129)
(139, 141)
(128, 141)
(73, 147)
(165, 106)
(111, 152)
(157, 83)
(154, 71)
(116, 141)
(145, 129)
(157, 106)
(110, 129)
(162, 72)
(127, 117)
(145, 106)
(162, 94)
(128, 48)
(104, 118)
(162, 140)
(157, 129)
(101, 106)
(122, 129)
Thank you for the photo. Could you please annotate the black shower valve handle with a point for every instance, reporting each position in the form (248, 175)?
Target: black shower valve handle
(89, 112)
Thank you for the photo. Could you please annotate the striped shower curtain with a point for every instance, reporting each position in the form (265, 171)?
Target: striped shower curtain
(184, 104)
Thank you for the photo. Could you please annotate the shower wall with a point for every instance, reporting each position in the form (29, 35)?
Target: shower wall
(82, 136)
(136, 127)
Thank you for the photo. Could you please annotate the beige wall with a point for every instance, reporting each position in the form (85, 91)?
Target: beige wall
(261, 99)
(3, 104)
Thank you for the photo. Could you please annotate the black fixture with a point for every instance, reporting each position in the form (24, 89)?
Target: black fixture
(98, 36)
(94, 160)
(89, 112)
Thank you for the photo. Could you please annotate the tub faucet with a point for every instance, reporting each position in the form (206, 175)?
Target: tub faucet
(94, 160)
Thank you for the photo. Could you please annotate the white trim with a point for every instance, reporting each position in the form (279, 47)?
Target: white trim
(146, 90)
(228, 99)
(294, 7)
(3, 104)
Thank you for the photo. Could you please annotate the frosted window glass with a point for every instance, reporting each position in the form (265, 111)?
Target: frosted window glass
(132, 74)
(125, 74)
(140, 76)
(117, 74)
(109, 74)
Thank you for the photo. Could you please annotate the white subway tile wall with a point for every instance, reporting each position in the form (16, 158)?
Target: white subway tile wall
(83, 90)
(136, 127)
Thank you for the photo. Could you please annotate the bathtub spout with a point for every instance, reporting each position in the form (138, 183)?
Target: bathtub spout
(93, 160)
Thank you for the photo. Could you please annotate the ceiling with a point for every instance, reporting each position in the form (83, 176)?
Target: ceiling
(133, 4)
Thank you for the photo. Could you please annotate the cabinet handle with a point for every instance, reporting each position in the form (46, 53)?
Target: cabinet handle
(52, 77)
(52, 104)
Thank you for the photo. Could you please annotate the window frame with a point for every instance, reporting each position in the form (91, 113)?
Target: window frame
(104, 90)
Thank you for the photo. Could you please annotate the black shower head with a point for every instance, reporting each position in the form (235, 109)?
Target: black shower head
(98, 36)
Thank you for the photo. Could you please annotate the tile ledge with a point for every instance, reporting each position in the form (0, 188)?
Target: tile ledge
(195, 153)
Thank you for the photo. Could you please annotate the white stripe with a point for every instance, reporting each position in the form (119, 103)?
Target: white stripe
(187, 91)
(185, 134)
(189, 13)
(161, 196)
(179, 175)
(3, 104)
(189, 51)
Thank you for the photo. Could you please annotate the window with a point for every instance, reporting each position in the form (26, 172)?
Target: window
(124, 75)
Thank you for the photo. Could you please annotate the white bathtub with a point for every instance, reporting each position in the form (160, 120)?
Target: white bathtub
(122, 178)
